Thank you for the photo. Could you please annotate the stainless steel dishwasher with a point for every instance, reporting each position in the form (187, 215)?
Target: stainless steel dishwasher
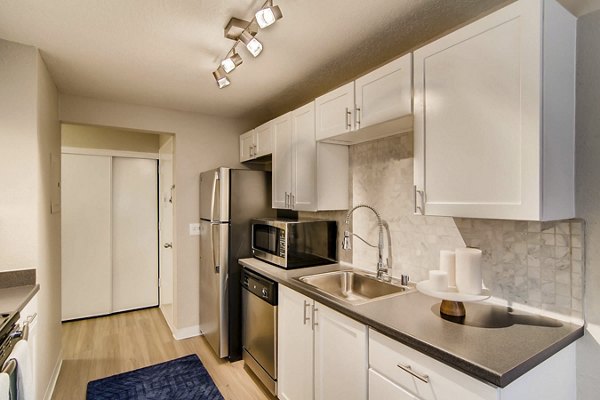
(259, 327)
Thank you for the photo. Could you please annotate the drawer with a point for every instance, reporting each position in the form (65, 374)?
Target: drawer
(404, 366)
(381, 388)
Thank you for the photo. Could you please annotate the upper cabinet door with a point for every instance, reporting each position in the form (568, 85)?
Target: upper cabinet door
(281, 191)
(484, 147)
(263, 139)
(385, 93)
(335, 112)
(304, 159)
(247, 146)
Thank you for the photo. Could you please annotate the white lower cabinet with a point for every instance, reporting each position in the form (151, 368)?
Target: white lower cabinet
(408, 374)
(322, 354)
(382, 388)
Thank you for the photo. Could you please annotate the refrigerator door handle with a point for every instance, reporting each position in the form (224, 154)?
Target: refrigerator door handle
(214, 195)
(212, 246)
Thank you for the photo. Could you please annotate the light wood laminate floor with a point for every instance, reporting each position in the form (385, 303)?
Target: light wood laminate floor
(99, 347)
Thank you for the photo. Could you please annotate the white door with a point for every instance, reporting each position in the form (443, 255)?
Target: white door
(263, 140)
(294, 346)
(304, 159)
(335, 112)
(247, 146)
(385, 93)
(167, 193)
(282, 162)
(135, 233)
(341, 357)
(86, 236)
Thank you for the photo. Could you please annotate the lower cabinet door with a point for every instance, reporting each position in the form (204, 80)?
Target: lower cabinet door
(295, 346)
(381, 388)
(340, 356)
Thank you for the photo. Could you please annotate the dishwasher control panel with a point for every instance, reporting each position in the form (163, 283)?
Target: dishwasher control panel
(260, 286)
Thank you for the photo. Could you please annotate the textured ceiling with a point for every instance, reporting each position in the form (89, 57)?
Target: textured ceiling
(161, 53)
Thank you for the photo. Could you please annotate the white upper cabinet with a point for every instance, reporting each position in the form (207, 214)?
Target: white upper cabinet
(247, 146)
(376, 105)
(257, 142)
(494, 116)
(335, 112)
(307, 176)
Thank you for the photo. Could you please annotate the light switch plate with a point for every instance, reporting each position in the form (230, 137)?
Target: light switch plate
(195, 229)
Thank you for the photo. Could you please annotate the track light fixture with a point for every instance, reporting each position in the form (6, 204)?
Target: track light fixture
(252, 43)
(221, 77)
(245, 32)
(231, 62)
(268, 15)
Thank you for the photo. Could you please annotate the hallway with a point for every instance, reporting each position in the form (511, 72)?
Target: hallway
(99, 347)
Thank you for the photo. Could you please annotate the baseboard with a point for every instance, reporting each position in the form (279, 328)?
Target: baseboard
(54, 377)
(185, 333)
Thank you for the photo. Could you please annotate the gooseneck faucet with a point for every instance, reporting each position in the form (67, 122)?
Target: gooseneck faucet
(382, 269)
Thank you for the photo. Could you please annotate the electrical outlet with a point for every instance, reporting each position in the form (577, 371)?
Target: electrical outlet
(195, 229)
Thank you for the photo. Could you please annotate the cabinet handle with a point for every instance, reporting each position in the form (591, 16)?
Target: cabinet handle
(419, 209)
(287, 196)
(254, 147)
(348, 119)
(292, 200)
(306, 305)
(314, 317)
(421, 377)
(357, 116)
(250, 147)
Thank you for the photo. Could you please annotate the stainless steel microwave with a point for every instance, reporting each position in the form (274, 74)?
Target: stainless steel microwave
(294, 244)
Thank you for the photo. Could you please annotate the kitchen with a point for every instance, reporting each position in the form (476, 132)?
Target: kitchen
(374, 168)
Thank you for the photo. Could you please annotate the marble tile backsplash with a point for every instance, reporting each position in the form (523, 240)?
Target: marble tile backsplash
(533, 263)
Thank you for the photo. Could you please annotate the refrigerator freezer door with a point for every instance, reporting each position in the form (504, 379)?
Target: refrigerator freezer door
(214, 195)
(214, 304)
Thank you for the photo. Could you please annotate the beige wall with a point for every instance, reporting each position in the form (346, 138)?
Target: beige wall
(18, 158)
(588, 193)
(98, 137)
(48, 236)
(201, 143)
(29, 233)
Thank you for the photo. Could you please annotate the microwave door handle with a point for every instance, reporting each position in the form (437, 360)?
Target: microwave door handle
(214, 195)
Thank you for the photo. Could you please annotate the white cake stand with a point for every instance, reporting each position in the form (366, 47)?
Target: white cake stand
(452, 300)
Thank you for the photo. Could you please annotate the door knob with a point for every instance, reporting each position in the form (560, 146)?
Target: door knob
(168, 245)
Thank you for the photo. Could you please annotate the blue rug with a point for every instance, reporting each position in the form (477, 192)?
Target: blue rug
(182, 379)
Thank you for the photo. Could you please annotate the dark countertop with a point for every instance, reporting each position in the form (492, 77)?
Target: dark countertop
(13, 299)
(494, 344)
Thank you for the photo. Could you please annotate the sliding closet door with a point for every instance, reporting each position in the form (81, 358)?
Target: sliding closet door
(135, 233)
(86, 236)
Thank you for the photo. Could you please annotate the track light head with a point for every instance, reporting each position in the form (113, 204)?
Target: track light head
(268, 15)
(252, 44)
(221, 77)
(231, 62)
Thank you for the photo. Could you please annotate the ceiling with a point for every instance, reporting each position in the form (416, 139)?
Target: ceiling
(162, 53)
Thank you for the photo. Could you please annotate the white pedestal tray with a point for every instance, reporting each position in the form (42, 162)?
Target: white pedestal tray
(452, 300)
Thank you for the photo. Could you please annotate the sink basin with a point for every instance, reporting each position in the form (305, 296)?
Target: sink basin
(353, 287)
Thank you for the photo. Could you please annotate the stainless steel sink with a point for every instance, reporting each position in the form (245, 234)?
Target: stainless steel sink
(353, 287)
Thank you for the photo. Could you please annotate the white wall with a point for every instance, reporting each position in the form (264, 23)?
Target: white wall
(201, 143)
(588, 192)
(29, 233)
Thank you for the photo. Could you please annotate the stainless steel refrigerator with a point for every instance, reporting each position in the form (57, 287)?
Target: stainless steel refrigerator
(229, 199)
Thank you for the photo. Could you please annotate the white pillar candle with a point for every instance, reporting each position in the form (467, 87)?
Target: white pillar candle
(468, 270)
(438, 280)
(447, 263)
